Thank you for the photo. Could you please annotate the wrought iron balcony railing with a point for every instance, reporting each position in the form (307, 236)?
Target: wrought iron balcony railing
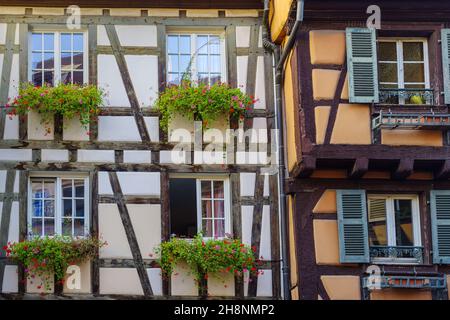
(410, 96)
(411, 254)
(405, 282)
(433, 121)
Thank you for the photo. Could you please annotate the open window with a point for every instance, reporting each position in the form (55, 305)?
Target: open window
(199, 205)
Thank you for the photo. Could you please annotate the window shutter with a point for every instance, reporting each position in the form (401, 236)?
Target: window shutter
(352, 224)
(440, 225)
(445, 44)
(362, 65)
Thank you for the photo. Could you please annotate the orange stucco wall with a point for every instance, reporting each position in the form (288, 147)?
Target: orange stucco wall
(279, 13)
(290, 117)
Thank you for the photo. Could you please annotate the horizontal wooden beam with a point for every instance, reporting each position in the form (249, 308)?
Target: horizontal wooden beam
(130, 199)
(404, 169)
(443, 172)
(153, 51)
(359, 168)
(305, 168)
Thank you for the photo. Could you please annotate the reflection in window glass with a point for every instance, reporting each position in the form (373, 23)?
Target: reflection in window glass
(377, 222)
(403, 222)
(43, 207)
(213, 208)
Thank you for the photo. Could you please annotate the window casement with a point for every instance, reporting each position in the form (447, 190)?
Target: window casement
(403, 71)
(200, 204)
(199, 56)
(394, 228)
(58, 56)
(58, 205)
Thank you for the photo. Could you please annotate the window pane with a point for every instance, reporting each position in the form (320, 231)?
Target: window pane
(172, 63)
(49, 208)
(414, 72)
(66, 188)
(49, 189)
(207, 228)
(77, 42)
(214, 45)
(78, 61)
(172, 78)
(215, 78)
(36, 60)
(202, 63)
(36, 77)
(172, 44)
(36, 227)
(403, 222)
(49, 61)
(218, 189)
(78, 77)
(37, 208)
(66, 77)
(184, 63)
(78, 225)
(66, 60)
(65, 42)
(48, 77)
(388, 72)
(79, 188)
(377, 222)
(387, 51)
(219, 228)
(202, 44)
(206, 209)
(412, 51)
(79, 208)
(183, 207)
(206, 189)
(49, 227)
(48, 41)
(215, 64)
(67, 227)
(185, 44)
(219, 209)
(36, 189)
(203, 78)
(67, 207)
(36, 41)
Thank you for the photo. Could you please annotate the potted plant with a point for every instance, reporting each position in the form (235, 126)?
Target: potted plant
(43, 103)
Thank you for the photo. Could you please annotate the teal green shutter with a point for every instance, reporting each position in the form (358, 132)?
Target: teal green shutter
(445, 44)
(362, 65)
(352, 225)
(440, 225)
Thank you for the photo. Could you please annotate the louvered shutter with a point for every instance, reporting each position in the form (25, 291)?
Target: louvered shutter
(445, 44)
(362, 65)
(352, 224)
(440, 225)
(377, 210)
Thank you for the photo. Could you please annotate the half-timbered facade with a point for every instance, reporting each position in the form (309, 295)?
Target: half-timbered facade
(118, 179)
(366, 124)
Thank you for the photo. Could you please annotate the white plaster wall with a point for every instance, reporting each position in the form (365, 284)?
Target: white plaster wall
(252, 157)
(140, 183)
(117, 128)
(143, 71)
(10, 280)
(146, 221)
(112, 231)
(137, 156)
(11, 131)
(242, 66)
(2, 180)
(13, 230)
(264, 246)
(221, 284)
(110, 80)
(152, 124)
(138, 36)
(38, 130)
(85, 273)
(176, 157)
(54, 155)
(183, 281)
(243, 36)
(3, 33)
(264, 286)
(14, 79)
(102, 36)
(247, 184)
(154, 275)
(104, 185)
(247, 220)
(15, 154)
(120, 281)
(104, 156)
(260, 89)
(73, 130)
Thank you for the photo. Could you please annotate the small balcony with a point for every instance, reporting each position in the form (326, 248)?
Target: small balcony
(396, 254)
(433, 282)
(407, 96)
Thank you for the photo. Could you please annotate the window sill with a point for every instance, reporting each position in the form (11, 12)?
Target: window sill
(395, 261)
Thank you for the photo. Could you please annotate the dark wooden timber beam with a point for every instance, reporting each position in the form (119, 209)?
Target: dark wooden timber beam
(359, 168)
(444, 171)
(404, 169)
(305, 168)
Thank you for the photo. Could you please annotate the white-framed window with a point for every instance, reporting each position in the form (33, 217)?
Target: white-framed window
(58, 205)
(200, 204)
(201, 56)
(403, 64)
(58, 56)
(393, 221)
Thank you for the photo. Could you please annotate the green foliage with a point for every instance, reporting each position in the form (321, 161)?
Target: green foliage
(207, 256)
(202, 102)
(68, 100)
(48, 256)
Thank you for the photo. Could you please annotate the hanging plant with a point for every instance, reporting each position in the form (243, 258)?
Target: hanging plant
(49, 257)
(67, 100)
(213, 256)
(202, 102)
